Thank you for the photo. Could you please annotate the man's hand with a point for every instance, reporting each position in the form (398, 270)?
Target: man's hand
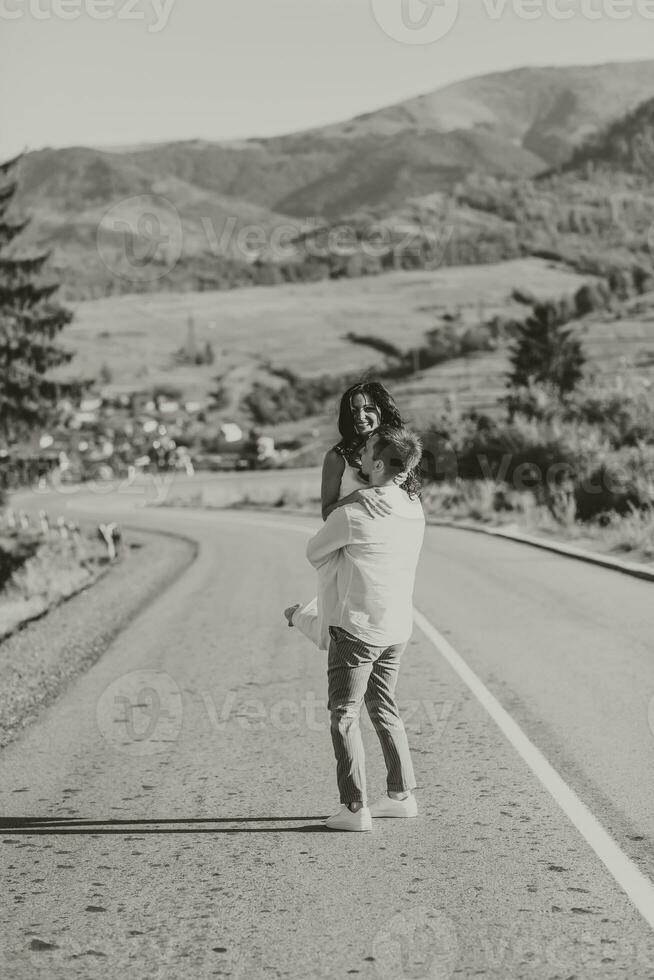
(374, 501)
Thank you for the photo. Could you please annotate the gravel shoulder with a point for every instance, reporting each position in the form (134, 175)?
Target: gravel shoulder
(41, 659)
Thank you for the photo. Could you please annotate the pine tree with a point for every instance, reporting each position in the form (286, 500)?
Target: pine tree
(29, 325)
(546, 351)
(209, 356)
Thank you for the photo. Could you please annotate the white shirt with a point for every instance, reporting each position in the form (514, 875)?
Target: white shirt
(309, 618)
(376, 559)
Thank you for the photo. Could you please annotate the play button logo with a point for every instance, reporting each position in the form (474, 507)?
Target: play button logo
(416, 21)
(140, 713)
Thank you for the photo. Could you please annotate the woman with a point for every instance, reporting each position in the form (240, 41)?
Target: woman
(364, 407)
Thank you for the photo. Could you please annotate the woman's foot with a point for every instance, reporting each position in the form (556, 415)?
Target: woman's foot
(392, 806)
(288, 613)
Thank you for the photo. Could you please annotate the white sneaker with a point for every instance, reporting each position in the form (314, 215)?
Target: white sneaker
(388, 807)
(344, 819)
(290, 612)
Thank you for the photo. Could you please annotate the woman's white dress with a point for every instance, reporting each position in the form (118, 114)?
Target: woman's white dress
(308, 618)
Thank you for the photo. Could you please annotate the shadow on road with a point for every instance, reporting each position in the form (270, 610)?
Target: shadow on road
(75, 825)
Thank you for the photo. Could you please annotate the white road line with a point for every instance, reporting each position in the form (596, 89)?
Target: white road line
(638, 888)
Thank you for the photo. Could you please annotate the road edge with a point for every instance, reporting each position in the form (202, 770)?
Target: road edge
(635, 569)
(43, 611)
(54, 683)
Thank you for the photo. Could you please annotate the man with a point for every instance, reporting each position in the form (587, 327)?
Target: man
(371, 620)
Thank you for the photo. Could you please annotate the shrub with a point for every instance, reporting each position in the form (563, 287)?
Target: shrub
(14, 552)
(168, 391)
(546, 351)
(220, 395)
(643, 280)
(521, 454)
(376, 343)
(632, 532)
(524, 296)
(297, 399)
(480, 499)
(443, 343)
(624, 410)
(533, 401)
(477, 338)
(621, 283)
(619, 483)
(591, 296)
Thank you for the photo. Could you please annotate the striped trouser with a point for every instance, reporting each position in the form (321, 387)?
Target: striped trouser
(358, 672)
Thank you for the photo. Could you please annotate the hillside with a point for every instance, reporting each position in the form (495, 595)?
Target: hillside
(298, 327)
(68, 193)
(595, 213)
(626, 145)
(507, 126)
(547, 111)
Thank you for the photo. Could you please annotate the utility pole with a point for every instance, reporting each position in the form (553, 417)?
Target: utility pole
(191, 346)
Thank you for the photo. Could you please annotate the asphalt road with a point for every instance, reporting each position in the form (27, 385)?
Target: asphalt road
(163, 818)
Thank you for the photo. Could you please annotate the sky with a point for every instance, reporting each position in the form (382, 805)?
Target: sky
(123, 72)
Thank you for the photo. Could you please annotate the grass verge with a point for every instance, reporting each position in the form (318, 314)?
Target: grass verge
(52, 569)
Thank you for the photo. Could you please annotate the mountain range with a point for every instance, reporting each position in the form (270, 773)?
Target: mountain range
(516, 124)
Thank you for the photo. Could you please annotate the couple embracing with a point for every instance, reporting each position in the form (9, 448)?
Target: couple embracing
(366, 555)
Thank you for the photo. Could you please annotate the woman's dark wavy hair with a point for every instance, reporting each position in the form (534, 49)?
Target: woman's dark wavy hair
(351, 443)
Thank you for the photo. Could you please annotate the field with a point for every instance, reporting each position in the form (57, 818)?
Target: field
(611, 345)
(303, 327)
(297, 326)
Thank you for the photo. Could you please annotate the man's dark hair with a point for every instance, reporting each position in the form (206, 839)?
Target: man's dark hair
(401, 450)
